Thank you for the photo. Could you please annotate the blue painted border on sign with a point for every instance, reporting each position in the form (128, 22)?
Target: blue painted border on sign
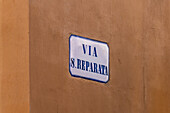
(87, 77)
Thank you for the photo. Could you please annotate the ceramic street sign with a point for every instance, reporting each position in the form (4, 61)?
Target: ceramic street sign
(88, 59)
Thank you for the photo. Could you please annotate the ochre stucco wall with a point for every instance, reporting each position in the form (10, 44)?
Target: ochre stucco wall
(157, 56)
(34, 42)
(137, 32)
(14, 56)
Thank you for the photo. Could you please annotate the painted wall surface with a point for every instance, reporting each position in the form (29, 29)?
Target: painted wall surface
(34, 42)
(137, 32)
(14, 56)
(157, 56)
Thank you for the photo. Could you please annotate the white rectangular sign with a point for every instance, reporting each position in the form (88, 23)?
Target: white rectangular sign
(88, 59)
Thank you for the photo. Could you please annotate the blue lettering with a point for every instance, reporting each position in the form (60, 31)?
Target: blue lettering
(106, 71)
(87, 65)
(72, 62)
(84, 48)
(100, 71)
(89, 50)
(91, 67)
(83, 65)
(95, 68)
(78, 64)
(95, 52)
(103, 69)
